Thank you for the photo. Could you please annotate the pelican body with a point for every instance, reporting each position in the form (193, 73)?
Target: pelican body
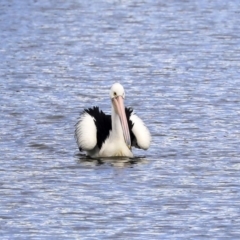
(101, 135)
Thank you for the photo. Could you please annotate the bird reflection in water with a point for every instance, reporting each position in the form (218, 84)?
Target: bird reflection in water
(120, 162)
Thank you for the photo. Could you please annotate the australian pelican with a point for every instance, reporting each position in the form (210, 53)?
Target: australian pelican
(102, 135)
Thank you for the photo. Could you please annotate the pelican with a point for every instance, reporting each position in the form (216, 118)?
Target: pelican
(101, 135)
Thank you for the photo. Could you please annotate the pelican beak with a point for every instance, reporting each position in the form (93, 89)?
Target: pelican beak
(120, 109)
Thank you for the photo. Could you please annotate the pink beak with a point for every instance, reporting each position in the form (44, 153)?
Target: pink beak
(120, 109)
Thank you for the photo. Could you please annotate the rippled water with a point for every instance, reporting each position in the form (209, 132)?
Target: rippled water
(179, 62)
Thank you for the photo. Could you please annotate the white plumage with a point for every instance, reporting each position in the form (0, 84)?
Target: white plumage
(86, 132)
(102, 135)
(142, 134)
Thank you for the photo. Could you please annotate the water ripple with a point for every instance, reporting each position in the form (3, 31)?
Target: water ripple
(179, 64)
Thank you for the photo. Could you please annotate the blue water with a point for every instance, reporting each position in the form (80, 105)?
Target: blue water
(179, 62)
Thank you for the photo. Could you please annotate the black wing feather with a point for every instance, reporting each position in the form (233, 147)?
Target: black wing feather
(129, 111)
(103, 124)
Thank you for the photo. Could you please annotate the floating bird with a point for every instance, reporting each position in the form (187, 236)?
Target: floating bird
(102, 135)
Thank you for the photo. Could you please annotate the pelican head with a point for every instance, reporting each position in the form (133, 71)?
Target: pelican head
(117, 95)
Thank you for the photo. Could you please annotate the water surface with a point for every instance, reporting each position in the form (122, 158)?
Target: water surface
(179, 62)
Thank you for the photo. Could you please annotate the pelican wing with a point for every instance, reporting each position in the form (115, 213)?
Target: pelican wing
(92, 129)
(86, 132)
(140, 135)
